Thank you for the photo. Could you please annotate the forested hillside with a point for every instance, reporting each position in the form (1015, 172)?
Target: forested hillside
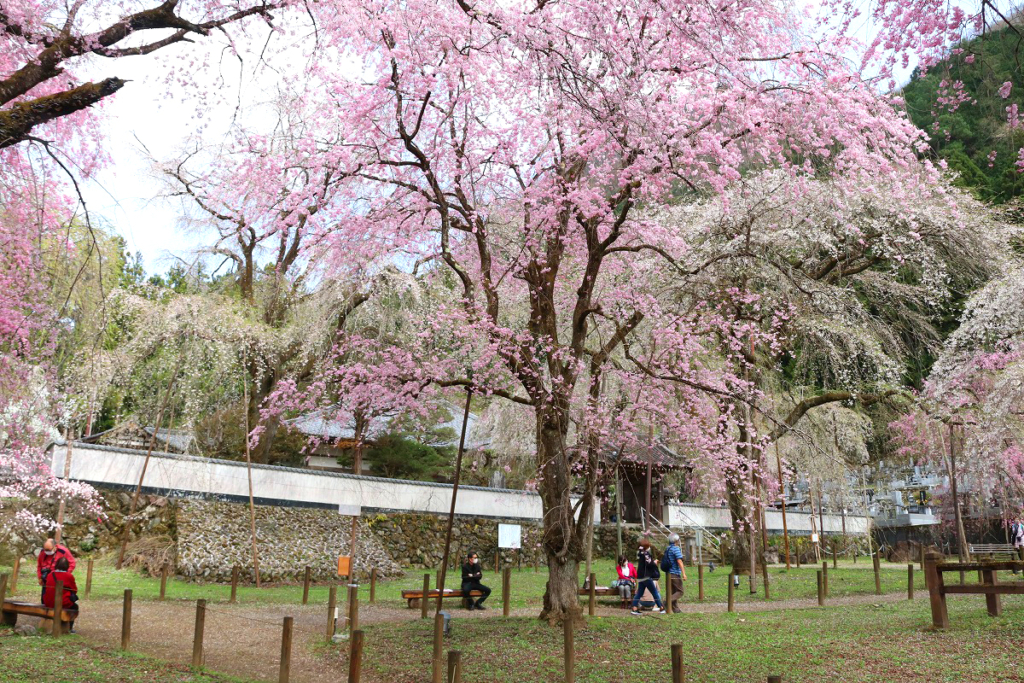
(971, 114)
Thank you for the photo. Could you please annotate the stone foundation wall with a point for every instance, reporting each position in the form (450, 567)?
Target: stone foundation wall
(213, 537)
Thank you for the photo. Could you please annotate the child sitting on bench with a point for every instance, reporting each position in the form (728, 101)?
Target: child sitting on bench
(60, 573)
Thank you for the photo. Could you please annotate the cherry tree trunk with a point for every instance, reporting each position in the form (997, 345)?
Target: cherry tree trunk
(742, 514)
(563, 542)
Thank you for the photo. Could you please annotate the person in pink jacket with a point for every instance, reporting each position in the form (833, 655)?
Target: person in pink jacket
(626, 583)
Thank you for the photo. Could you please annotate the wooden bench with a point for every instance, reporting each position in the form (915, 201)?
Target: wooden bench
(413, 597)
(993, 549)
(989, 586)
(12, 608)
(604, 592)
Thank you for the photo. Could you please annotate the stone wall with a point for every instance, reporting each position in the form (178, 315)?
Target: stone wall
(213, 537)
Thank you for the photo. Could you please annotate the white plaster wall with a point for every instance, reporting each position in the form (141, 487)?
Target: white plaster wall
(717, 518)
(186, 474)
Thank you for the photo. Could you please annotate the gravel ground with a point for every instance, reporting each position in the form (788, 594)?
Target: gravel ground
(244, 640)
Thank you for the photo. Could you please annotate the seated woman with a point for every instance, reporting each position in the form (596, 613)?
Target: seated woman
(626, 583)
(60, 573)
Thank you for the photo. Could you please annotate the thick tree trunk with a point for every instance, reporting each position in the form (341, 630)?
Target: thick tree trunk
(741, 513)
(563, 537)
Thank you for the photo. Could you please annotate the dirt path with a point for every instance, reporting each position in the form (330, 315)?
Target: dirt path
(245, 640)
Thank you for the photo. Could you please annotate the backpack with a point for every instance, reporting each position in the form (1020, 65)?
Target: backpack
(666, 561)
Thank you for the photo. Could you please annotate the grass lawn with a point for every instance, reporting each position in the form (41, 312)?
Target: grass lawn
(876, 643)
(527, 585)
(69, 659)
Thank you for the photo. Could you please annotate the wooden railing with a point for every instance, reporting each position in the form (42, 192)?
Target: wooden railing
(990, 587)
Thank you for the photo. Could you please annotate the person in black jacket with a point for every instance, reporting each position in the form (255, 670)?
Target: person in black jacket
(471, 575)
(648, 573)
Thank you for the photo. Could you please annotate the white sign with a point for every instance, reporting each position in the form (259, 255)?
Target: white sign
(349, 510)
(510, 536)
(814, 538)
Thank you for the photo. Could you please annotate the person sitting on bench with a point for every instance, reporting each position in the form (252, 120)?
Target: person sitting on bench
(471, 575)
(626, 583)
(60, 573)
(47, 560)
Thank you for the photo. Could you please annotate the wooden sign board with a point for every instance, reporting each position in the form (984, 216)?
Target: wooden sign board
(344, 565)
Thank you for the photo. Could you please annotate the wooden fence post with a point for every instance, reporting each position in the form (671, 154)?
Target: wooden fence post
(775, 679)
(3, 587)
(821, 590)
(910, 581)
(332, 607)
(764, 577)
(570, 650)
(426, 590)
(286, 651)
(497, 561)
(305, 585)
(824, 576)
(197, 641)
(921, 548)
(436, 663)
(592, 602)
(506, 591)
(700, 583)
(732, 594)
(878, 577)
(163, 581)
(126, 619)
(234, 583)
(677, 663)
(993, 601)
(58, 608)
(454, 667)
(353, 608)
(88, 577)
(14, 574)
(936, 594)
(373, 585)
(355, 657)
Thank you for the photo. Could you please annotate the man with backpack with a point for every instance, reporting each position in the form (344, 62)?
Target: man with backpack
(672, 563)
(648, 575)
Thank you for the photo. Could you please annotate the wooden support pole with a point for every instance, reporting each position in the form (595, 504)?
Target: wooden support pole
(824, 576)
(355, 657)
(286, 651)
(353, 608)
(126, 620)
(993, 601)
(234, 583)
(197, 641)
(570, 650)
(497, 560)
(700, 583)
(506, 591)
(732, 594)
(436, 666)
(373, 585)
(775, 679)
(921, 548)
(454, 667)
(3, 587)
(163, 581)
(910, 581)
(878, 577)
(88, 577)
(677, 663)
(936, 594)
(14, 574)
(764, 577)
(332, 607)
(835, 553)
(305, 585)
(592, 602)
(426, 591)
(821, 590)
(797, 542)
(58, 608)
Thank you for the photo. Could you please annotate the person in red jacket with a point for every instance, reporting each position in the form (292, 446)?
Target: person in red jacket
(61, 573)
(48, 557)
